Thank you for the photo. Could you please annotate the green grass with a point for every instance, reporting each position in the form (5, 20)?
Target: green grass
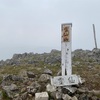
(5, 96)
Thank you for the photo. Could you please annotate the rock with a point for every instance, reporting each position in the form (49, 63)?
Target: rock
(68, 90)
(90, 67)
(74, 98)
(12, 78)
(18, 98)
(94, 98)
(50, 88)
(33, 88)
(36, 85)
(81, 90)
(7, 77)
(17, 95)
(44, 78)
(24, 96)
(24, 89)
(53, 95)
(30, 74)
(43, 87)
(77, 95)
(66, 97)
(10, 90)
(58, 95)
(1, 63)
(13, 87)
(95, 92)
(41, 96)
(48, 71)
(30, 95)
(83, 97)
(17, 78)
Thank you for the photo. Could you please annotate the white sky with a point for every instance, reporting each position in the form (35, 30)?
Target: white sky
(34, 25)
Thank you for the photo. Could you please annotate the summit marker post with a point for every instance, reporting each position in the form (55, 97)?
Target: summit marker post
(67, 78)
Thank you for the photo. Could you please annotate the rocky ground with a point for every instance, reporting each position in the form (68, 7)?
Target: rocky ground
(24, 75)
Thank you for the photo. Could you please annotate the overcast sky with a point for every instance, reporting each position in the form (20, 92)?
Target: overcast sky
(35, 25)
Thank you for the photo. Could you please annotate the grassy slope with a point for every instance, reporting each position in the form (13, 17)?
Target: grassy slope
(91, 75)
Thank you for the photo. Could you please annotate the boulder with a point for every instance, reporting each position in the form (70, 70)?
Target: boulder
(17, 78)
(74, 98)
(17, 95)
(48, 71)
(95, 98)
(50, 88)
(24, 89)
(12, 77)
(13, 87)
(66, 97)
(10, 90)
(24, 96)
(33, 88)
(52, 95)
(95, 92)
(30, 74)
(44, 78)
(7, 77)
(59, 95)
(83, 96)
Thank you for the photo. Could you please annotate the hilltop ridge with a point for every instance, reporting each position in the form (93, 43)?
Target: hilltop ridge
(26, 74)
(53, 57)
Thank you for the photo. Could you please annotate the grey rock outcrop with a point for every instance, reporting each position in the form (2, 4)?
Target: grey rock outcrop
(33, 88)
(30, 74)
(10, 90)
(44, 78)
(12, 77)
(27, 89)
(53, 58)
(31, 58)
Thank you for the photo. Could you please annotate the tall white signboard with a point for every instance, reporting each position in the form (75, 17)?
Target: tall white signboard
(67, 78)
(66, 31)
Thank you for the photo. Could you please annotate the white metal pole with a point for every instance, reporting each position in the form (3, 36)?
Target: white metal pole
(66, 49)
(94, 36)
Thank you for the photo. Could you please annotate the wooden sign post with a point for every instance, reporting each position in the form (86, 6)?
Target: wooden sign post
(67, 79)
